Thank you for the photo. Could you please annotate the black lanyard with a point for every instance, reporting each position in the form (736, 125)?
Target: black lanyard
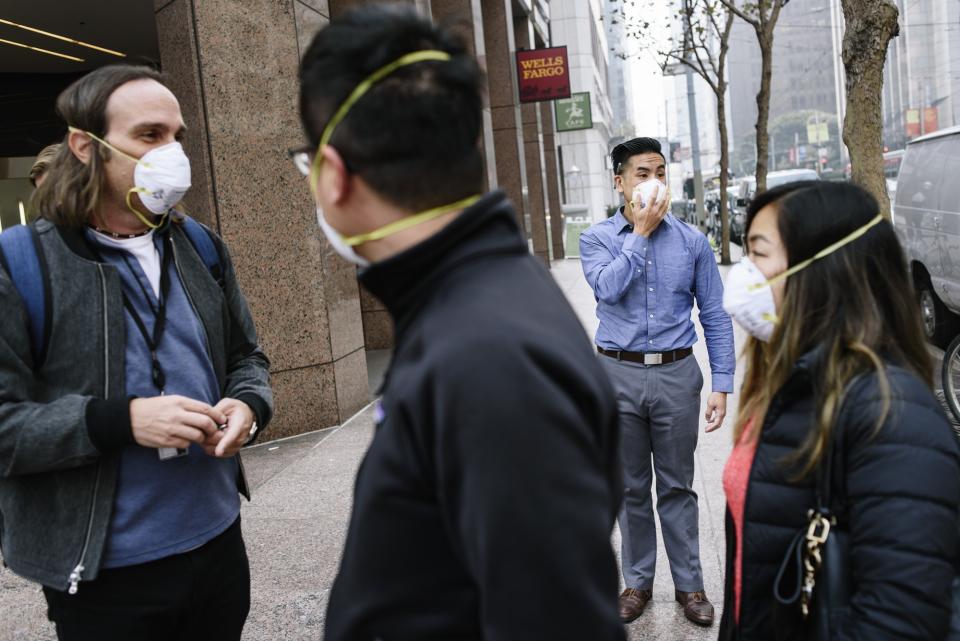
(159, 313)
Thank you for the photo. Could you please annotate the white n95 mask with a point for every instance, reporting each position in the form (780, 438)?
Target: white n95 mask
(162, 177)
(338, 243)
(748, 298)
(645, 191)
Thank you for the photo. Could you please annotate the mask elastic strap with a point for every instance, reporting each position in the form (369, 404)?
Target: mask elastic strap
(143, 219)
(111, 147)
(409, 221)
(821, 254)
(358, 92)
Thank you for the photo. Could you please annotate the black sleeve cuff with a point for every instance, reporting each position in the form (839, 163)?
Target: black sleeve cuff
(260, 411)
(108, 423)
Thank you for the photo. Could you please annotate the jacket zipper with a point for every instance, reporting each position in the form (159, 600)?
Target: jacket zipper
(76, 574)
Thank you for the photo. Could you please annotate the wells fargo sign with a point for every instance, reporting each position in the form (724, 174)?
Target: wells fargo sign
(543, 74)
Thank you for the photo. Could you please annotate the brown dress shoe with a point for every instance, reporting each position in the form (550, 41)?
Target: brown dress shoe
(632, 603)
(696, 607)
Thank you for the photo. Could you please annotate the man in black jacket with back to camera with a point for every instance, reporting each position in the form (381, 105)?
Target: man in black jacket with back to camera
(484, 506)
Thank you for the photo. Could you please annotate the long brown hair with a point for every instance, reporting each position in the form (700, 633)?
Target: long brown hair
(856, 307)
(72, 190)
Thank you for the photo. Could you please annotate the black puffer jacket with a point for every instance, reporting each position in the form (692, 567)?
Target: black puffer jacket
(897, 492)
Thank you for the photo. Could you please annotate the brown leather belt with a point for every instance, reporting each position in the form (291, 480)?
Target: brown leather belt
(649, 358)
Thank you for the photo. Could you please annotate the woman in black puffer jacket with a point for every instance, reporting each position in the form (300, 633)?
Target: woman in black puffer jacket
(837, 356)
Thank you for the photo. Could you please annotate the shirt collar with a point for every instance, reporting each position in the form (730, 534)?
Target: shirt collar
(622, 224)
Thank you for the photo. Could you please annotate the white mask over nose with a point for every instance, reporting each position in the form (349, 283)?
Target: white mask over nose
(645, 191)
(748, 298)
(162, 177)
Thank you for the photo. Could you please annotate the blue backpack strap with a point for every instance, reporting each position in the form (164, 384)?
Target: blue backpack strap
(203, 244)
(22, 260)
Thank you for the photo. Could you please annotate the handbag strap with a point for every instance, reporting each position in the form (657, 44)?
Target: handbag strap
(825, 472)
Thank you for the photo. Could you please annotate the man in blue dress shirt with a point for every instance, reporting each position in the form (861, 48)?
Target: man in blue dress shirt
(646, 269)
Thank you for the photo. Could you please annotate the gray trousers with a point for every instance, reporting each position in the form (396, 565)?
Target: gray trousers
(659, 409)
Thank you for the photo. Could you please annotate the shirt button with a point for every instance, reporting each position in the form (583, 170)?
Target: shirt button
(649, 262)
(651, 289)
(651, 315)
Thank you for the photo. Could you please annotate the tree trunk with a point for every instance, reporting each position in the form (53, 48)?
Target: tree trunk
(870, 25)
(724, 176)
(765, 40)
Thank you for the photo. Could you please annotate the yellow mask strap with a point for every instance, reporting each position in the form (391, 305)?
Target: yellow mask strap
(356, 94)
(143, 219)
(109, 146)
(821, 254)
(410, 221)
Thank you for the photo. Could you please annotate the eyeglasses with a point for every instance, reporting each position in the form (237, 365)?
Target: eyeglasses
(302, 157)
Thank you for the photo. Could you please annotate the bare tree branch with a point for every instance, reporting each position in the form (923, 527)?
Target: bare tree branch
(711, 11)
(775, 11)
(731, 6)
(699, 70)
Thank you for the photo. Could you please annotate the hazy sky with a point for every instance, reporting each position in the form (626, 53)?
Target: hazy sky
(644, 70)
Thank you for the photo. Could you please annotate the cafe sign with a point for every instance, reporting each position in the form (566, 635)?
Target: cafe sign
(543, 74)
(574, 113)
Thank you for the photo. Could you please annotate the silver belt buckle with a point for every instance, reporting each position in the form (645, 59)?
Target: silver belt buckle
(653, 359)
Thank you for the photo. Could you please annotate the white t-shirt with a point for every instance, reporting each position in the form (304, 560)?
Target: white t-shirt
(145, 251)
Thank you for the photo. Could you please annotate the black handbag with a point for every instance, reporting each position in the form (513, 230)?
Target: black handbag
(813, 586)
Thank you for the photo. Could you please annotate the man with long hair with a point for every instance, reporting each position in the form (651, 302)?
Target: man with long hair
(122, 418)
(646, 269)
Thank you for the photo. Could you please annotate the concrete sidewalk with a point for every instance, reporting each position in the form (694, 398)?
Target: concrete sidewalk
(297, 521)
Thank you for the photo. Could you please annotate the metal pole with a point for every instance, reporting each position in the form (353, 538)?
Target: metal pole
(695, 149)
(839, 75)
(906, 43)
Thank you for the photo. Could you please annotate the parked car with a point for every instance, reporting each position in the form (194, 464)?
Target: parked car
(683, 209)
(711, 202)
(748, 191)
(927, 217)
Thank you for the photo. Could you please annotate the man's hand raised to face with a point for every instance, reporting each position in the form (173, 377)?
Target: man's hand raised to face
(647, 219)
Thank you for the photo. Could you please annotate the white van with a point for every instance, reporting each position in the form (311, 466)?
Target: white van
(927, 218)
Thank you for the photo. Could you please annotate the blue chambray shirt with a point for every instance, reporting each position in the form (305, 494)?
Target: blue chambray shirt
(645, 290)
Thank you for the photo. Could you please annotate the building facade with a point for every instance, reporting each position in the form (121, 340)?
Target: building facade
(233, 66)
(585, 160)
(807, 78)
(618, 77)
(922, 74)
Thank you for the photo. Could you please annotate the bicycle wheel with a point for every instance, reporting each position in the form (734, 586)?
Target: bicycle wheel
(950, 377)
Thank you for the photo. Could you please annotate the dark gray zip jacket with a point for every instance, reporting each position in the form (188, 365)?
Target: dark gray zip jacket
(64, 420)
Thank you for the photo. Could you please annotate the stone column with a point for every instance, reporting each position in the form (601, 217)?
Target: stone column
(233, 66)
(533, 154)
(552, 171)
(466, 18)
(337, 7)
(504, 106)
